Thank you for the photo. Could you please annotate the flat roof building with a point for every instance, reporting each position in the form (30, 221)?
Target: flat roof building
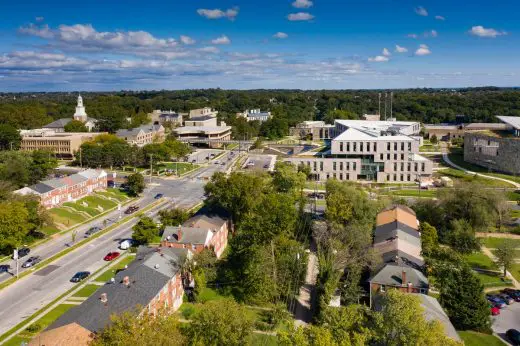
(64, 144)
(255, 115)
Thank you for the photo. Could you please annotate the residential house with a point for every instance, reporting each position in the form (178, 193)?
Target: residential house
(152, 283)
(398, 213)
(206, 230)
(54, 192)
(142, 135)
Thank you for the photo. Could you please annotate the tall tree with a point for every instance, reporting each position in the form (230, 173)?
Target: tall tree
(135, 183)
(505, 254)
(43, 163)
(75, 126)
(10, 138)
(173, 216)
(14, 225)
(461, 236)
(220, 322)
(145, 231)
(429, 238)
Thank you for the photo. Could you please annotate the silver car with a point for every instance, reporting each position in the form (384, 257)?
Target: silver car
(32, 261)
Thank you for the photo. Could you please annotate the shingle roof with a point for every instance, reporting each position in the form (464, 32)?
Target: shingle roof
(433, 311)
(206, 221)
(148, 275)
(70, 334)
(58, 124)
(382, 236)
(384, 230)
(402, 258)
(189, 235)
(392, 275)
(400, 206)
(41, 188)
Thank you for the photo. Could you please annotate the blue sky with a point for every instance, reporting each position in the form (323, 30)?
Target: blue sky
(113, 45)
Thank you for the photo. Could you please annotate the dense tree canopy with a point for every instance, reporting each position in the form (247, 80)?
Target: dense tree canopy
(75, 126)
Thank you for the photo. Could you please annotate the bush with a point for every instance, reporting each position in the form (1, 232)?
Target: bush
(133, 249)
(263, 326)
(188, 311)
(33, 328)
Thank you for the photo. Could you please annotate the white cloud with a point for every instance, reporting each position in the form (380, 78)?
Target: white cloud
(42, 31)
(440, 18)
(421, 11)
(300, 16)
(480, 31)
(400, 49)
(302, 3)
(280, 35)
(386, 52)
(187, 40)
(221, 40)
(423, 50)
(379, 58)
(209, 49)
(412, 36)
(218, 13)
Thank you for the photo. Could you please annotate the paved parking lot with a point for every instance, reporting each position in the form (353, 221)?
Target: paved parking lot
(509, 318)
(260, 162)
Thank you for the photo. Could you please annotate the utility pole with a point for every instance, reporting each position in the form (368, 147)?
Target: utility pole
(386, 97)
(391, 100)
(151, 167)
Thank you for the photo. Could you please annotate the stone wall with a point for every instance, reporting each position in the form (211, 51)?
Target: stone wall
(497, 154)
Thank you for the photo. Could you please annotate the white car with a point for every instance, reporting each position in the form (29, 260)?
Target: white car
(126, 244)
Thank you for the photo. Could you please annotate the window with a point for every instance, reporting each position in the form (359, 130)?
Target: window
(402, 145)
(395, 166)
(409, 146)
(321, 166)
(341, 166)
(353, 166)
(382, 157)
(408, 177)
(409, 165)
(354, 146)
(334, 175)
(402, 166)
(388, 177)
(361, 146)
(348, 176)
(315, 166)
(388, 146)
(340, 146)
(334, 165)
(348, 166)
(402, 157)
(382, 288)
(402, 177)
(348, 146)
(395, 146)
(395, 157)
(416, 166)
(341, 176)
(395, 177)
(388, 157)
(422, 167)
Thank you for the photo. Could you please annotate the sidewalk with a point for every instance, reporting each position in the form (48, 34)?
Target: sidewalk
(306, 300)
(488, 253)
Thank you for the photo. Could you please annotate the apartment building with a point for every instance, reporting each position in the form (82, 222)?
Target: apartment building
(54, 192)
(63, 145)
(255, 115)
(142, 135)
(380, 151)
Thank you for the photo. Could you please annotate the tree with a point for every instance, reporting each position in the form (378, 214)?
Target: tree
(505, 254)
(220, 322)
(75, 126)
(135, 183)
(462, 297)
(461, 237)
(401, 322)
(287, 178)
(14, 225)
(133, 328)
(145, 231)
(173, 216)
(43, 163)
(258, 144)
(429, 238)
(433, 139)
(10, 138)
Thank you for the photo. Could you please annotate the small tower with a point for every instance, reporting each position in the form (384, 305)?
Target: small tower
(80, 114)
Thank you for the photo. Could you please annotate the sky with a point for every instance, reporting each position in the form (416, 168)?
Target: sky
(103, 45)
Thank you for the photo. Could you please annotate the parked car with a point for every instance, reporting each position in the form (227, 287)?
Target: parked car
(79, 276)
(506, 298)
(513, 336)
(251, 163)
(159, 196)
(515, 294)
(127, 244)
(111, 256)
(266, 165)
(495, 311)
(497, 301)
(131, 209)
(4, 268)
(23, 252)
(91, 231)
(223, 163)
(32, 261)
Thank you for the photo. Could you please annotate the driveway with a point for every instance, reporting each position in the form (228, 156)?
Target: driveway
(509, 318)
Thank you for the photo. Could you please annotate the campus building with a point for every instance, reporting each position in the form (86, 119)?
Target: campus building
(79, 115)
(54, 192)
(380, 151)
(63, 145)
(255, 115)
(447, 132)
(206, 111)
(497, 150)
(312, 130)
(166, 117)
(142, 135)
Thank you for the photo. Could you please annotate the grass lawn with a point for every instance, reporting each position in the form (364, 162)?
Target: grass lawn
(263, 340)
(17, 340)
(460, 175)
(86, 291)
(414, 193)
(513, 195)
(95, 201)
(515, 271)
(66, 217)
(479, 339)
(111, 272)
(209, 294)
(49, 230)
(495, 242)
(313, 185)
(515, 214)
(480, 260)
(90, 211)
(457, 157)
(493, 280)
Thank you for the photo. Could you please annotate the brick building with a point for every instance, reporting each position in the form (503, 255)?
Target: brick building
(55, 192)
(152, 282)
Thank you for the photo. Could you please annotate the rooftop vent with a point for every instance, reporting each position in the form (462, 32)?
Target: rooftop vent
(103, 298)
(156, 266)
(126, 281)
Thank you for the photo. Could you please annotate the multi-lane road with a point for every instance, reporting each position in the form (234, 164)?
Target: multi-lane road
(32, 292)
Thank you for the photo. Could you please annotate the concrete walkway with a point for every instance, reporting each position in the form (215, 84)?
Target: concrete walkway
(449, 162)
(306, 300)
(488, 253)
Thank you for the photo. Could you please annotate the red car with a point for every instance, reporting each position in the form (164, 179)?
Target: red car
(495, 311)
(111, 256)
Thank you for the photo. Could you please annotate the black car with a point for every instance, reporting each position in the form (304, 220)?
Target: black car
(513, 336)
(23, 252)
(4, 268)
(159, 196)
(80, 276)
(32, 261)
(132, 209)
(91, 231)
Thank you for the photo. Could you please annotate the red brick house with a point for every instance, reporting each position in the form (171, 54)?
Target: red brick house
(153, 283)
(54, 192)
(203, 231)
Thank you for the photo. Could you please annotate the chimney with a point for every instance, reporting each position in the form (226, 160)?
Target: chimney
(126, 281)
(410, 287)
(104, 298)
(403, 277)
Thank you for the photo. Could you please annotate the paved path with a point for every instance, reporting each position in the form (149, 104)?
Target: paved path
(449, 162)
(497, 235)
(307, 296)
(488, 253)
